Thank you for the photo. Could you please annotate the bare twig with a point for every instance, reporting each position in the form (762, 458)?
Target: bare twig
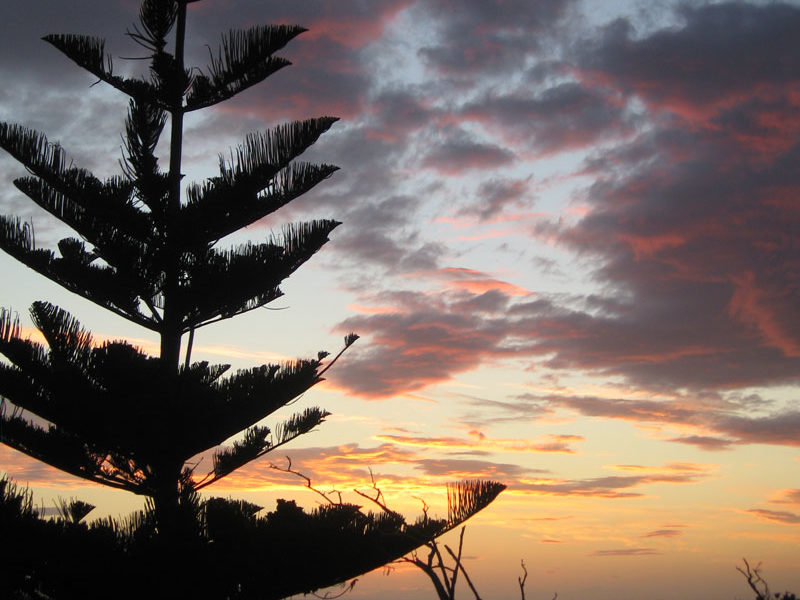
(425, 508)
(523, 579)
(460, 565)
(427, 568)
(754, 580)
(451, 585)
(378, 498)
(289, 469)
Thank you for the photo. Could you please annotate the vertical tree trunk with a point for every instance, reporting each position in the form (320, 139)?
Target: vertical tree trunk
(167, 472)
(171, 328)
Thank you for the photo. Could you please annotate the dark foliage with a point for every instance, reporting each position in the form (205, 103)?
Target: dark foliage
(235, 553)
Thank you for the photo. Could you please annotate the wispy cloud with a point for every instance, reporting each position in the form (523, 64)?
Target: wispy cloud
(667, 533)
(551, 443)
(615, 486)
(724, 419)
(791, 496)
(776, 516)
(626, 552)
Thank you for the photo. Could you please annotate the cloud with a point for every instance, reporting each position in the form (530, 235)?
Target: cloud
(563, 117)
(488, 37)
(689, 221)
(791, 496)
(705, 442)
(428, 339)
(551, 443)
(615, 486)
(626, 552)
(396, 467)
(776, 516)
(479, 283)
(460, 152)
(398, 113)
(669, 533)
(710, 60)
(345, 466)
(494, 196)
(777, 428)
(454, 468)
(378, 232)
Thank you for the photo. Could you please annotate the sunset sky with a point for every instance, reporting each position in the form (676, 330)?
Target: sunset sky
(570, 243)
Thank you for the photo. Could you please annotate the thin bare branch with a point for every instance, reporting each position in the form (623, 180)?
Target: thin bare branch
(523, 579)
(754, 580)
(307, 479)
(460, 565)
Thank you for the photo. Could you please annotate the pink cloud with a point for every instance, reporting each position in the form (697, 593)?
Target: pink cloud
(748, 305)
(477, 282)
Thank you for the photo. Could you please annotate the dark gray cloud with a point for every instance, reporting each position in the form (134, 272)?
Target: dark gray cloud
(497, 195)
(379, 231)
(488, 36)
(460, 152)
(565, 116)
(396, 113)
(711, 301)
(721, 50)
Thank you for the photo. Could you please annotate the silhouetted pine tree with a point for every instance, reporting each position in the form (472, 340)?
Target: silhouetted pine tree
(110, 413)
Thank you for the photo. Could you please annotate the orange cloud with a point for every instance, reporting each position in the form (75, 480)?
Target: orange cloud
(791, 496)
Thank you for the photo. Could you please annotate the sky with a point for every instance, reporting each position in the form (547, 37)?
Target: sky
(570, 245)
